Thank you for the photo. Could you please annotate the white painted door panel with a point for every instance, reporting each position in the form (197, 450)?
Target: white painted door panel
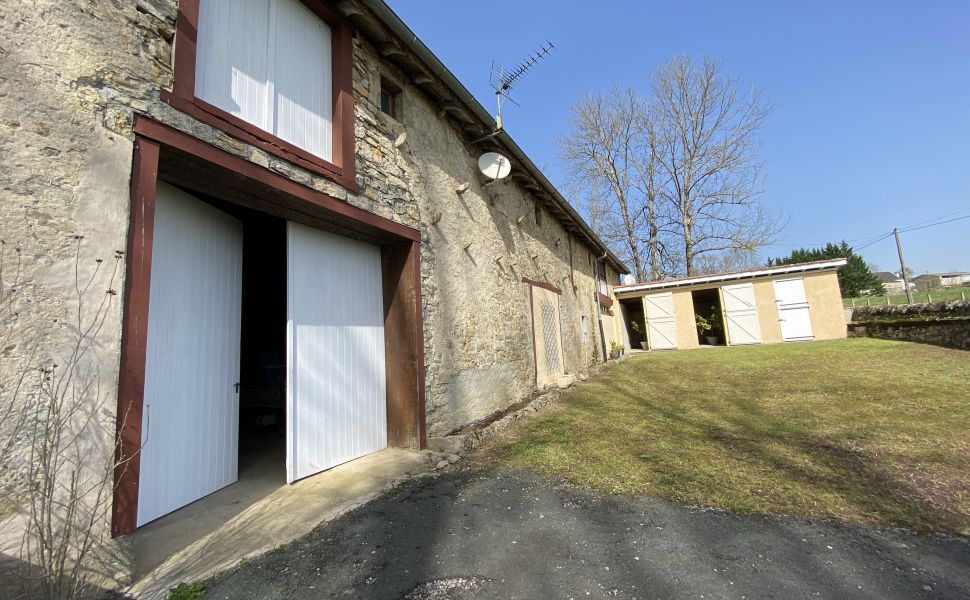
(335, 380)
(232, 62)
(661, 322)
(741, 310)
(793, 310)
(269, 62)
(191, 410)
(302, 80)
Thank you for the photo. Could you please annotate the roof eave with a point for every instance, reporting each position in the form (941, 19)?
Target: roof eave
(411, 40)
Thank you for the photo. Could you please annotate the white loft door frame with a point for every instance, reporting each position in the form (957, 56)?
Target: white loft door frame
(661, 321)
(741, 314)
(336, 398)
(793, 310)
(190, 415)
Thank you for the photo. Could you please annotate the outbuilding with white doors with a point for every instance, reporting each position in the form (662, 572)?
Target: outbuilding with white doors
(787, 303)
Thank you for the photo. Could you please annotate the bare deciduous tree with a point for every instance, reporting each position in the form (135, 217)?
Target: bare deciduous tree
(671, 180)
(610, 157)
(711, 123)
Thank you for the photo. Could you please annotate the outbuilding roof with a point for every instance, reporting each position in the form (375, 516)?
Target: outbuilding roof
(818, 265)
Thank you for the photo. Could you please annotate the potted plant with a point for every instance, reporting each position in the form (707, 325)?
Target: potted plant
(639, 327)
(616, 349)
(709, 325)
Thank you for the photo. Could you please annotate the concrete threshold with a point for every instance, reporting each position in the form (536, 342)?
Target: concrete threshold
(284, 515)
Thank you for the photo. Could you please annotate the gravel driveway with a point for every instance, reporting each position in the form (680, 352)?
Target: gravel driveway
(505, 534)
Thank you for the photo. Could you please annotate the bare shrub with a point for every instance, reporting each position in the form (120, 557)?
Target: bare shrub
(61, 438)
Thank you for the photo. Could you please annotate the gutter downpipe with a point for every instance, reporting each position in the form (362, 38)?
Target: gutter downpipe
(596, 300)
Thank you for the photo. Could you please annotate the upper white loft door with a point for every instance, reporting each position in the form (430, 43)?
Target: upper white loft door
(190, 417)
(793, 310)
(741, 310)
(269, 63)
(661, 322)
(335, 382)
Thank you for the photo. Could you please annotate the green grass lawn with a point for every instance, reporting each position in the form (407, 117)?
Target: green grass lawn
(943, 295)
(858, 430)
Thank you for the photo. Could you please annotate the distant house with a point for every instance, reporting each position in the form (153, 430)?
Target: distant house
(893, 282)
(932, 281)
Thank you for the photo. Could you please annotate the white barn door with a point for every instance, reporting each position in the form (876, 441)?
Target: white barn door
(795, 320)
(335, 380)
(190, 416)
(661, 323)
(741, 312)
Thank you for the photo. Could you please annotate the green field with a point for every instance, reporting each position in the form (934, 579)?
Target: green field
(943, 295)
(857, 430)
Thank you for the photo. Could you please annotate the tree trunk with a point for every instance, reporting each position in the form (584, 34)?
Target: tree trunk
(688, 247)
(631, 238)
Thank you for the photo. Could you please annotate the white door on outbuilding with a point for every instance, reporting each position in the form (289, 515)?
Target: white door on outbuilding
(190, 414)
(793, 310)
(741, 312)
(335, 377)
(661, 322)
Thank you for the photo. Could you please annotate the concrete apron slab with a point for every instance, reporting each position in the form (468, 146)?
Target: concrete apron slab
(284, 515)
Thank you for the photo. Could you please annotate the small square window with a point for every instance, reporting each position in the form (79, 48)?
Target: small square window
(390, 99)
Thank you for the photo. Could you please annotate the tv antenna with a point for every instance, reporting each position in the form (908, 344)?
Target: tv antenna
(503, 80)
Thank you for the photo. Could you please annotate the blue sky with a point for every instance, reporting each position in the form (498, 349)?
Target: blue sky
(870, 121)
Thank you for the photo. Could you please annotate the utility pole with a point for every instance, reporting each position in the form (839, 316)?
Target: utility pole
(902, 266)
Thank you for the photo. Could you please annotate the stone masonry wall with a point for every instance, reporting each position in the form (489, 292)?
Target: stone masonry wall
(938, 323)
(72, 77)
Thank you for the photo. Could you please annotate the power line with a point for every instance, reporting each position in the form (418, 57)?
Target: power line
(873, 242)
(956, 212)
(935, 224)
(881, 236)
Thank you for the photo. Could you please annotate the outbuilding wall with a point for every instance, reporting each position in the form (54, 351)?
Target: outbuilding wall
(825, 299)
(686, 323)
(764, 294)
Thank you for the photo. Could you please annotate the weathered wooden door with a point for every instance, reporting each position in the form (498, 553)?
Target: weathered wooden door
(793, 310)
(661, 321)
(741, 312)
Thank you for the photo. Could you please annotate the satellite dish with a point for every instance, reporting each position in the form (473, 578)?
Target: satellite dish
(494, 166)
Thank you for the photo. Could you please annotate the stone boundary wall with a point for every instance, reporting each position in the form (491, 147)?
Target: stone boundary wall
(939, 323)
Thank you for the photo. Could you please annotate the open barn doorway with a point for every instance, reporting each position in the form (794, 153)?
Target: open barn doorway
(708, 317)
(262, 373)
(636, 326)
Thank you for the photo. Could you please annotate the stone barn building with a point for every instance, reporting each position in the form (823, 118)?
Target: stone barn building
(264, 222)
